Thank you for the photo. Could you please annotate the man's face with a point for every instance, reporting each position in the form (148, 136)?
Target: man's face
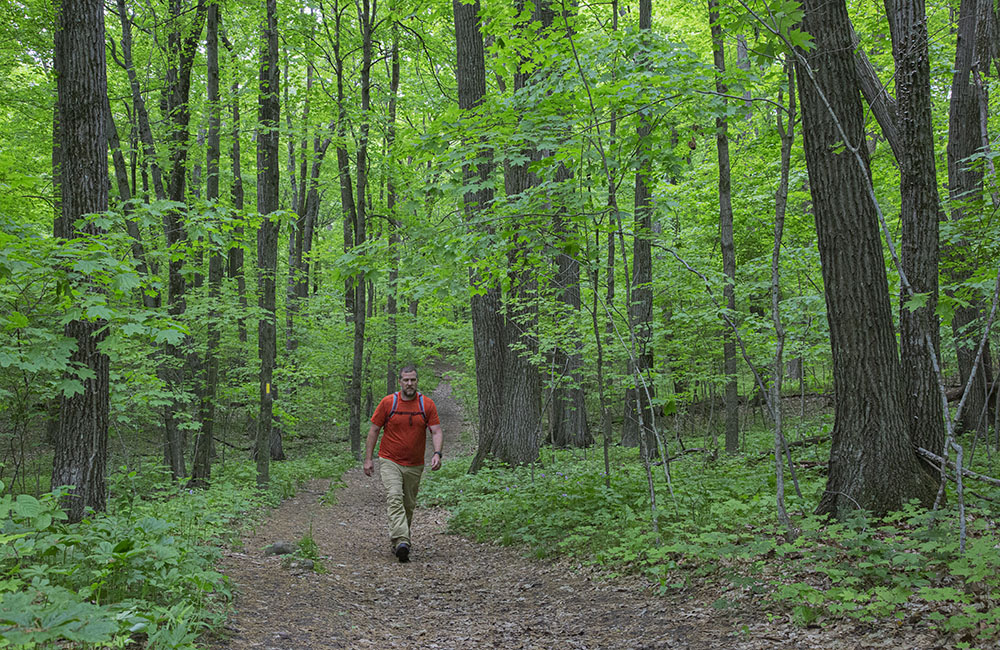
(408, 384)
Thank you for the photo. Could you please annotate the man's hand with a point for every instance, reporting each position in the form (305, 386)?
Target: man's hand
(369, 466)
(435, 462)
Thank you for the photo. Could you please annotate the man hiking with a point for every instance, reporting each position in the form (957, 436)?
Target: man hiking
(405, 416)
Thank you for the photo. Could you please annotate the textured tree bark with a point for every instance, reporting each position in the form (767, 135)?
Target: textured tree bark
(81, 80)
(965, 183)
(919, 328)
(268, 115)
(486, 301)
(872, 464)
(732, 407)
(201, 470)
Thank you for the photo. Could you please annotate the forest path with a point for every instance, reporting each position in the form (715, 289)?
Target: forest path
(454, 593)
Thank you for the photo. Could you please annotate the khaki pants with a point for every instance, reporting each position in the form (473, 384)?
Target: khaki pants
(401, 483)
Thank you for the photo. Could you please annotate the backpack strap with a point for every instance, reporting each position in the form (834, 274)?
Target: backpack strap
(395, 403)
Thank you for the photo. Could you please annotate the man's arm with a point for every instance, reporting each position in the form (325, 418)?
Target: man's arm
(437, 439)
(369, 465)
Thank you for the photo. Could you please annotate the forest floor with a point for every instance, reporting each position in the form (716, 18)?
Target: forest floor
(456, 594)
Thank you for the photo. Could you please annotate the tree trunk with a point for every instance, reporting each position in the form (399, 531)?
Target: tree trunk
(965, 185)
(732, 406)
(391, 307)
(919, 328)
(81, 80)
(486, 302)
(202, 467)
(366, 18)
(235, 270)
(569, 408)
(638, 411)
(268, 112)
(872, 464)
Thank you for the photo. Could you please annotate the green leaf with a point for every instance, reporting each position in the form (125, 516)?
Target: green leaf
(27, 506)
(16, 320)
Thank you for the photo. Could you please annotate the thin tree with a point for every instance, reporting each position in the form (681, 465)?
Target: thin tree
(638, 430)
(725, 231)
(268, 117)
(366, 17)
(202, 466)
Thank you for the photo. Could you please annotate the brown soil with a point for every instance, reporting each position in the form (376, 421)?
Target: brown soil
(457, 594)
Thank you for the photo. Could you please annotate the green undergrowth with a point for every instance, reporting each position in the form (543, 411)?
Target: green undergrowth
(143, 574)
(719, 527)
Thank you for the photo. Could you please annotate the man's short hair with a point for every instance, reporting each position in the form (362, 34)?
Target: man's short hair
(407, 368)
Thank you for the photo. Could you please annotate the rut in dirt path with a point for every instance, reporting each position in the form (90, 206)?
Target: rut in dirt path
(453, 594)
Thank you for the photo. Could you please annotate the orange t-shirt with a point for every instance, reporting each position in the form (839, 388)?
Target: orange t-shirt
(404, 434)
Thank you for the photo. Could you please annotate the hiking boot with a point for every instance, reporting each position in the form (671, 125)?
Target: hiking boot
(403, 552)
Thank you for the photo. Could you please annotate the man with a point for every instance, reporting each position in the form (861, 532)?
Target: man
(405, 416)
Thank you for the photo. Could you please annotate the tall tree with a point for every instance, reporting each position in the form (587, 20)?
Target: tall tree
(366, 17)
(725, 231)
(486, 300)
(235, 261)
(919, 327)
(965, 187)
(202, 466)
(391, 307)
(568, 416)
(638, 409)
(81, 81)
(268, 117)
(872, 464)
(518, 439)
(182, 48)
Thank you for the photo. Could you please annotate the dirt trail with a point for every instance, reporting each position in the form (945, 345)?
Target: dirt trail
(457, 594)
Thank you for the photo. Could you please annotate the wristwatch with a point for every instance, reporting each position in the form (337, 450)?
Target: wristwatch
(438, 453)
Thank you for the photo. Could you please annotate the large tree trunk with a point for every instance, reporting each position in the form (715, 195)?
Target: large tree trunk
(919, 328)
(732, 406)
(872, 464)
(268, 113)
(486, 301)
(81, 81)
(965, 184)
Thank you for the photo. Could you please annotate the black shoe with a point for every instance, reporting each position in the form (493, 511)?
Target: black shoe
(403, 552)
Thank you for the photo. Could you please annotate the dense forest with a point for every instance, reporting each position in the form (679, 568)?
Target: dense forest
(750, 244)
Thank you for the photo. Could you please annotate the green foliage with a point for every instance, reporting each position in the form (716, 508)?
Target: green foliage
(143, 572)
(720, 526)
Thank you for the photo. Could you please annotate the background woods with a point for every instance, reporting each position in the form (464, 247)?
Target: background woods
(676, 229)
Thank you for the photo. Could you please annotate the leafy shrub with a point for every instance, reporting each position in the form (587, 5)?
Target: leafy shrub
(145, 570)
(717, 521)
